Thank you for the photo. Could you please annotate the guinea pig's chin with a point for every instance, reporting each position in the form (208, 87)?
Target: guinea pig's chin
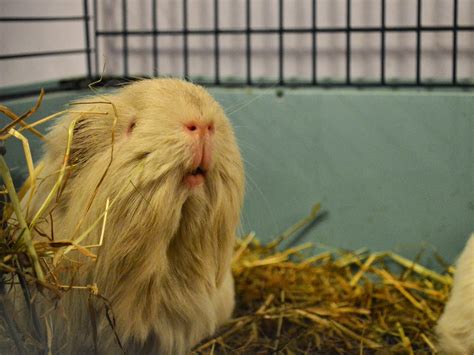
(193, 181)
(195, 177)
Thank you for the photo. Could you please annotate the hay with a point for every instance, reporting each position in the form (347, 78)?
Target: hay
(334, 302)
(24, 261)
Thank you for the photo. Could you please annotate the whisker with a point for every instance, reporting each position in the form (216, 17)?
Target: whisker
(238, 107)
(267, 203)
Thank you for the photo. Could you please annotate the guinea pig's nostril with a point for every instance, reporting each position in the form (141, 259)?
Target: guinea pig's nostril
(202, 128)
(191, 127)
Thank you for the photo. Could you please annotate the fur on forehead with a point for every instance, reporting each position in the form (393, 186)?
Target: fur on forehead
(170, 95)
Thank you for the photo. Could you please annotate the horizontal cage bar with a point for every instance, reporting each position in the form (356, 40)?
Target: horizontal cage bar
(285, 30)
(44, 54)
(44, 19)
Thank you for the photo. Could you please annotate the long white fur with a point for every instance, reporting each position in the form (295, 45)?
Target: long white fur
(165, 261)
(455, 328)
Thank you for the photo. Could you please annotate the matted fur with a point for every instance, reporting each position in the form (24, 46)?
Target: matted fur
(165, 260)
(455, 328)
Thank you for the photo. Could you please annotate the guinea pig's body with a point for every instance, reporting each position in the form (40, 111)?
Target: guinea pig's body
(455, 328)
(174, 181)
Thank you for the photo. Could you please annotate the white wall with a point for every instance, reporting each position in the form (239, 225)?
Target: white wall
(400, 60)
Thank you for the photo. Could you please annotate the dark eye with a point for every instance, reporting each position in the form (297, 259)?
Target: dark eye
(131, 127)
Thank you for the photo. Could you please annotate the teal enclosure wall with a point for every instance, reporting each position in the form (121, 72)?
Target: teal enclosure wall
(392, 169)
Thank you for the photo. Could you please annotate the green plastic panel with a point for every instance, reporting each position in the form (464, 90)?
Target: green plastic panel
(392, 169)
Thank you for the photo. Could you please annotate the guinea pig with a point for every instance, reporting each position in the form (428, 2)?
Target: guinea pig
(164, 155)
(455, 328)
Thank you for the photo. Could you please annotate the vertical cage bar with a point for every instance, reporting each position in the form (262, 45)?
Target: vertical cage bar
(313, 52)
(248, 52)
(155, 37)
(87, 38)
(216, 42)
(382, 44)
(185, 39)
(348, 42)
(125, 38)
(418, 42)
(280, 42)
(96, 37)
(455, 41)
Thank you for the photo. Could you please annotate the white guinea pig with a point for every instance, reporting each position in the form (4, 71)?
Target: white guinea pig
(175, 183)
(455, 328)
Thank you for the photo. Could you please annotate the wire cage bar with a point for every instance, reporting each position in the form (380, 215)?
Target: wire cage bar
(92, 48)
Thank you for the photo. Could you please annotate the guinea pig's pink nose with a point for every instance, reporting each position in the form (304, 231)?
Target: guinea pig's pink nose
(201, 147)
(199, 129)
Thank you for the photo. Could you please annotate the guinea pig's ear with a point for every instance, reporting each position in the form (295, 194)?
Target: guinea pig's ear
(80, 151)
(92, 135)
(96, 126)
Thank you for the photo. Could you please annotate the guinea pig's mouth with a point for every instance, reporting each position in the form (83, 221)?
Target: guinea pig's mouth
(198, 171)
(196, 177)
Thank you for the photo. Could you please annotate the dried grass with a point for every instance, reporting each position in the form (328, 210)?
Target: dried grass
(335, 302)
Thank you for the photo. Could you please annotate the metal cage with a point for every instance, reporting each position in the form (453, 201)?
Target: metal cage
(92, 34)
